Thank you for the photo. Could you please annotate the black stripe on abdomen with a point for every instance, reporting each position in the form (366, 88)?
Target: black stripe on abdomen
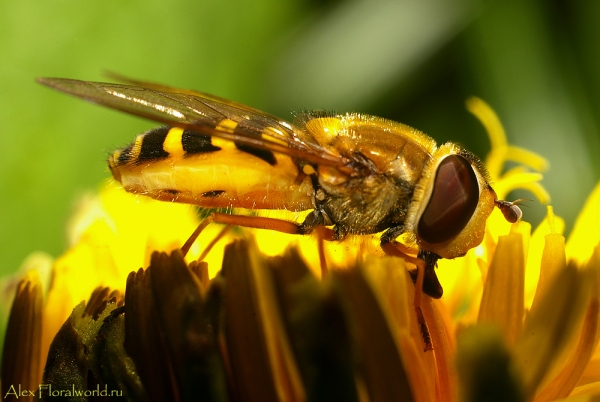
(152, 144)
(124, 155)
(263, 154)
(196, 143)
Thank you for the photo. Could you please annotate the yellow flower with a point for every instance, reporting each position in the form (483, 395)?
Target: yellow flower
(518, 320)
(538, 313)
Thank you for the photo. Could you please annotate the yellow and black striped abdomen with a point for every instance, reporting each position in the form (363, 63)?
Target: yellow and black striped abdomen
(160, 143)
(178, 165)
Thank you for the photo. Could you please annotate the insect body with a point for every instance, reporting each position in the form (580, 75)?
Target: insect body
(357, 173)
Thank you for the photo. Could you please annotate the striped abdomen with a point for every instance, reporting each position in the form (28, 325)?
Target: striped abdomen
(178, 165)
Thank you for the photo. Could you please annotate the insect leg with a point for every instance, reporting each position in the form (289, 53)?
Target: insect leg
(245, 221)
(394, 248)
(258, 222)
(391, 247)
(322, 235)
(431, 284)
(425, 259)
(214, 241)
(419, 279)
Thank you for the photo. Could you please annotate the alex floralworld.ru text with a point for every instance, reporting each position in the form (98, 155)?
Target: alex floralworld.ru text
(46, 390)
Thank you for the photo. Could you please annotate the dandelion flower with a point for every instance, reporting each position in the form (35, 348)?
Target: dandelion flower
(256, 318)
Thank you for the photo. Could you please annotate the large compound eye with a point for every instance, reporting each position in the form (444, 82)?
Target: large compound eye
(453, 200)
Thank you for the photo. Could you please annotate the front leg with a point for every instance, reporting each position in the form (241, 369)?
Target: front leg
(312, 220)
(431, 284)
(422, 276)
(425, 259)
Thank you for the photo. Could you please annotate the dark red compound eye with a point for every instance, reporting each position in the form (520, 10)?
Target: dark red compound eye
(453, 200)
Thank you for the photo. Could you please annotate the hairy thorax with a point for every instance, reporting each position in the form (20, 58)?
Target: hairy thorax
(362, 205)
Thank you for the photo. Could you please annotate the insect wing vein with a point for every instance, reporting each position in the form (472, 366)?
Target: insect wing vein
(202, 114)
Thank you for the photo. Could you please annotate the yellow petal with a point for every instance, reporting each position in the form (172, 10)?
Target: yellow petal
(144, 225)
(546, 256)
(501, 151)
(486, 115)
(444, 348)
(462, 283)
(377, 351)
(586, 393)
(586, 232)
(485, 367)
(527, 158)
(553, 259)
(502, 299)
(549, 326)
(565, 381)
(517, 178)
(78, 272)
(394, 290)
(286, 375)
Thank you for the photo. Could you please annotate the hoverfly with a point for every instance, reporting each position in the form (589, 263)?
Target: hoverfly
(359, 174)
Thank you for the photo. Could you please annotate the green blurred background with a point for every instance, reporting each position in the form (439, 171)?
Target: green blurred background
(537, 62)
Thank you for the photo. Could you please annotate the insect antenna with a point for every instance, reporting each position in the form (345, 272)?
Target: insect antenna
(510, 209)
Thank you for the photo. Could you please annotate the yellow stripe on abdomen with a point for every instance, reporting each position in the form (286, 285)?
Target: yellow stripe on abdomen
(226, 126)
(173, 144)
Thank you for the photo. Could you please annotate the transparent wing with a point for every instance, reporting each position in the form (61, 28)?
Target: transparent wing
(202, 113)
